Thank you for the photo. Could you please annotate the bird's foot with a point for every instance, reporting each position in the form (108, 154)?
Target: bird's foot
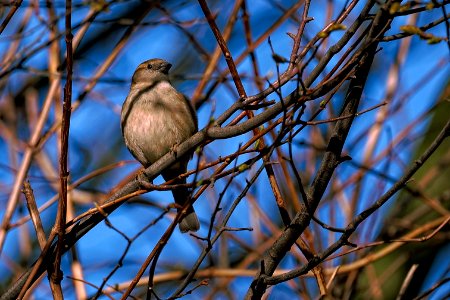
(174, 149)
(143, 181)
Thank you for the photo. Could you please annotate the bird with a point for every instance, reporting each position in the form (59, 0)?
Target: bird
(155, 117)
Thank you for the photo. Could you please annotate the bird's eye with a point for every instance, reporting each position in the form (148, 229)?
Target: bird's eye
(149, 66)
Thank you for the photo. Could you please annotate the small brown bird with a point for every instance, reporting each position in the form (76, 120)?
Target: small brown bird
(155, 117)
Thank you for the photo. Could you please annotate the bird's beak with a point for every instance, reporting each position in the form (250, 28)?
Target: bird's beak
(165, 67)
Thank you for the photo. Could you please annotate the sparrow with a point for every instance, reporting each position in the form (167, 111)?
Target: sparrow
(155, 117)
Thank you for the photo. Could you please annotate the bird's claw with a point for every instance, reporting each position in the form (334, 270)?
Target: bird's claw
(143, 180)
(174, 149)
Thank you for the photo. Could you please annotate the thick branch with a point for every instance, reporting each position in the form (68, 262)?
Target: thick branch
(331, 160)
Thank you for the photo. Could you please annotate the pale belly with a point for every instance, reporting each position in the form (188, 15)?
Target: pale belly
(152, 132)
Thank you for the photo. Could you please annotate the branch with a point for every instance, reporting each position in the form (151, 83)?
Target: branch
(343, 240)
(331, 160)
(60, 224)
(208, 134)
(12, 11)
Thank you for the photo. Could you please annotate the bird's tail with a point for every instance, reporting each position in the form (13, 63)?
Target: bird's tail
(181, 195)
(190, 221)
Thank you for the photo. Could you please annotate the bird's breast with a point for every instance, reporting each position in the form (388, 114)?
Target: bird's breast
(154, 122)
